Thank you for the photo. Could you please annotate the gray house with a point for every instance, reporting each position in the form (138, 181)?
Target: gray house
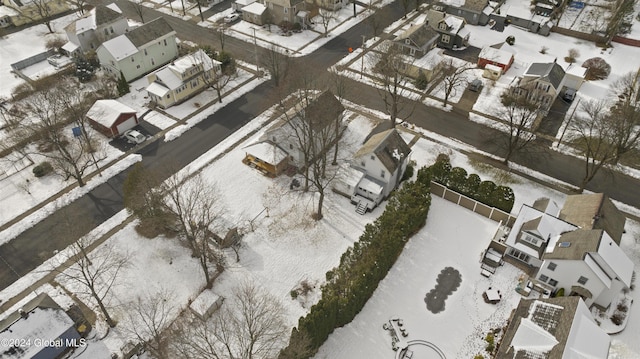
(417, 40)
(452, 32)
(41, 319)
(541, 83)
(475, 12)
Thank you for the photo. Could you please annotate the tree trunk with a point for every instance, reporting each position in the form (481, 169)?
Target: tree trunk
(48, 23)
(103, 309)
(219, 94)
(200, 10)
(320, 203)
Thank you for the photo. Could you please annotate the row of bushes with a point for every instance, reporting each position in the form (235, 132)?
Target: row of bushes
(350, 285)
(456, 179)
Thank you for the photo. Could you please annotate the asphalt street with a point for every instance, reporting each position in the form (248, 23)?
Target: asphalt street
(35, 245)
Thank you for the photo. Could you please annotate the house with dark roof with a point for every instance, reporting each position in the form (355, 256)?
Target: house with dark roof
(553, 328)
(375, 170)
(140, 50)
(100, 24)
(541, 84)
(296, 136)
(475, 12)
(452, 32)
(41, 320)
(417, 40)
(576, 248)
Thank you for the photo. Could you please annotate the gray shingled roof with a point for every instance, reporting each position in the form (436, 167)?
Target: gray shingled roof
(105, 15)
(476, 5)
(388, 146)
(552, 72)
(149, 32)
(594, 211)
(421, 36)
(581, 241)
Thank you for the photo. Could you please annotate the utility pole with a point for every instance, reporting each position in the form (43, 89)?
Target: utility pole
(255, 50)
(362, 56)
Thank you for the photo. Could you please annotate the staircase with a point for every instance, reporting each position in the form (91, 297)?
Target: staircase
(361, 208)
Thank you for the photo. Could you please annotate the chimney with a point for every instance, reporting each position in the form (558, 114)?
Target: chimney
(23, 314)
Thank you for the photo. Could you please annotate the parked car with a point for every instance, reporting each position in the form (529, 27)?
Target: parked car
(476, 85)
(133, 136)
(233, 17)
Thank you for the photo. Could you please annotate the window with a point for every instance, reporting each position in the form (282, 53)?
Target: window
(553, 282)
(362, 163)
(583, 280)
(519, 255)
(132, 59)
(372, 157)
(442, 26)
(551, 266)
(445, 38)
(111, 29)
(382, 174)
(543, 278)
(106, 31)
(138, 66)
(286, 10)
(412, 52)
(529, 239)
(407, 41)
(291, 146)
(165, 42)
(145, 52)
(168, 95)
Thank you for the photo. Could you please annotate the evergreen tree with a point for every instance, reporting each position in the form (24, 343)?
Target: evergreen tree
(123, 86)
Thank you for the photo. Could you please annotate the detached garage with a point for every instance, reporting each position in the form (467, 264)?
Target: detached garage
(111, 117)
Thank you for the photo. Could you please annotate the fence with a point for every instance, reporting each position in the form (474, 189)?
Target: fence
(492, 213)
(579, 35)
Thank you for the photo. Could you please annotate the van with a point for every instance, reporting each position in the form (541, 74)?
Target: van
(569, 95)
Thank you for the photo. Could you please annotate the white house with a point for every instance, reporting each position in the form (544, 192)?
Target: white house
(100, 24)
(553, 328)
(140, 50)
(182, 78)
(375, 170)
(576, 248)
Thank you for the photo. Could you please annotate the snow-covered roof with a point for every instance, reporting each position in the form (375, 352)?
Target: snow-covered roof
(120, 47)
(267, 152)
(204, 302)
(585, 339)
(40, 324)
(188, 61)
(454, 23)
(97, 16)
(349, 175)
(157, 89)
(70, 47)
(491, 67)
(244, 2)
(464, 33)
(384, 145)
(254, 8)
(7, 11)
(430, 60)
(368, 185)
(615, 258)
(106, 112)
(496, 55)
(598, 271)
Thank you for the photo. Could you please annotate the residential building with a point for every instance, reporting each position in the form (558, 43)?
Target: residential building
(553, 328)
(291, 141)
(41, 320)
(111, 117)
(496, 57)
(541, 83)
(28, 11)
(576, 248)
(100, 24)
(452, 32)
(475, 12)
(375, 170)
(182, 78)
(6, 14)
(291, 11)
(140, 50)
(255, 13)
(417, 41)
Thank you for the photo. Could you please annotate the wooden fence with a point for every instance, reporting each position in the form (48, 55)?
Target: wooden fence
(492, 213)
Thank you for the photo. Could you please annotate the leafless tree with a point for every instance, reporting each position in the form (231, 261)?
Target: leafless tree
(406, 7)
(593, 139)
(95, 271)
(619, 10)
(143, 197)
(340, 88)
(195, 207)
(389, 66)
(453, 78)
(276, 63)
(148, 320)
(624, 117)
(250, 325)
(79, 5)
(140, 9)
(226, 74)
(199, 3)
(50, 111)
(518, 115)
(377, 21)
(42, 11)
(326, 16)
(222, 34)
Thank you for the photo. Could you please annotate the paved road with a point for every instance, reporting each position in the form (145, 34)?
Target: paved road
(32, 247)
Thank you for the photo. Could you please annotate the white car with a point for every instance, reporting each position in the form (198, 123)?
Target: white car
(233, 17)
(133, 136)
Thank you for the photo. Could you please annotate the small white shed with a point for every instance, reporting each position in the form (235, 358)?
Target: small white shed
(492, 72)
(206, 304)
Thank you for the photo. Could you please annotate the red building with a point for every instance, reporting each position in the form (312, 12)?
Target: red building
(497, 57)
(111, 117)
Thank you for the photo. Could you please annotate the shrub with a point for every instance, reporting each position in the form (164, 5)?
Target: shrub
(503, 198)
(489, 338)
(457, 179)
(559, 293)
(294, 294)
(408, 173)
(544, 50)
(572, 56)
(490, 347)
(617, 319)
(440, 170)
(42, 169)
(622, 307)
(473, 182)
(511, 40)
(421, 82)
(485, 189)
(479, 356)
(597, 69)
